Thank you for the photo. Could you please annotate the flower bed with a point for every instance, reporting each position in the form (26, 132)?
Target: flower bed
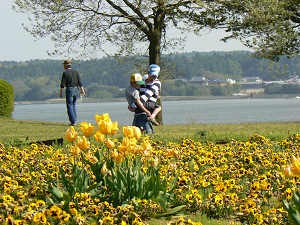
(98, 178)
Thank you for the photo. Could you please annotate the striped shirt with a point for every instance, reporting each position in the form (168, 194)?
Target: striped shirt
(150, 91)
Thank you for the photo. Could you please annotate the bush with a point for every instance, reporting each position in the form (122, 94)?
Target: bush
(6, 99)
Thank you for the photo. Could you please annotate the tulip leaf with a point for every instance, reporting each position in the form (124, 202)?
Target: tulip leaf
(296, 201)
(95, 190)
(171, 212)
(56, 192)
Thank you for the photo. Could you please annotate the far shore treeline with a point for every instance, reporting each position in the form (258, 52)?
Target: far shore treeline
(38, 80)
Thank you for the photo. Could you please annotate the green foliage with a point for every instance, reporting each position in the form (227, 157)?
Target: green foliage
(78, 182)
(128, 182)
(104, 92)
(293, 208)
(6, 99)
(120, 184)
(270, 27)
(282, 89)
(106, 78)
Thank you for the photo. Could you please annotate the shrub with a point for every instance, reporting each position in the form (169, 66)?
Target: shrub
(6, 99)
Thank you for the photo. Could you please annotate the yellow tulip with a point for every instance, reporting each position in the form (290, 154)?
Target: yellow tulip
(128, 131)
(91, 158)
(105, 127)
(75, 150)
(137, 132)
(114, 128)
(82, 143)
(104, 117)
(99, 136)
(146, 145)
(287, 170)
(104, 169)
(110, 143)
(128, 144)
(87, 129)
(114, 154)
(71, 134)
(117, 156)
(295, 167)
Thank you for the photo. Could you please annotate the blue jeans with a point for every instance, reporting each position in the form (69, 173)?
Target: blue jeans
(71, 97)
(140, 120)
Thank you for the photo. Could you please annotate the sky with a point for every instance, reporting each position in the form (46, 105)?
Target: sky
(18, 45)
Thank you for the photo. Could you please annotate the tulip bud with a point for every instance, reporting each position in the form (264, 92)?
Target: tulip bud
(295, 168)
(71, 134)
(110, 143)
(137, 132)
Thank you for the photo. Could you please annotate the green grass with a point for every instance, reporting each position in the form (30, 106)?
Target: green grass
(203, 219)
(226, 132)
(16, 132)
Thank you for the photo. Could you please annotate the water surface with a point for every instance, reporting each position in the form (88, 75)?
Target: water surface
(174, 112)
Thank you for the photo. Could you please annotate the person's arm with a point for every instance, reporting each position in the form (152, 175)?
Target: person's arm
(142, 107)
(82, 90)
(62, 84)
(60, 92)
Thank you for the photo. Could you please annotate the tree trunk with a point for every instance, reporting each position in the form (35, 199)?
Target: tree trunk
(155, 49)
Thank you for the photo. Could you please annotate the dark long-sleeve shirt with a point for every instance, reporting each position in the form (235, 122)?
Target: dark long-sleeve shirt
(70, 78)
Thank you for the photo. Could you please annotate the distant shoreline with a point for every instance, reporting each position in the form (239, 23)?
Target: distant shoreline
(164, 98)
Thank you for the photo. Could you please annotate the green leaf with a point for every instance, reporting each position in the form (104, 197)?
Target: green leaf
(171, 212)
(296, 200)
(56, 192)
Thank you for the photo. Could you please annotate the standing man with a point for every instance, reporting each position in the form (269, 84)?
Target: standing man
(72, 82)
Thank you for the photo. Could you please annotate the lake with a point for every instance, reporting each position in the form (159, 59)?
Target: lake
(221, 111)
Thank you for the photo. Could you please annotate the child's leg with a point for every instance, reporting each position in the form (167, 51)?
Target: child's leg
(156, 111)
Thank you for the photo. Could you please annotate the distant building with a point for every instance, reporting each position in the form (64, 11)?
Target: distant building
(252, 80)
(199, 80)
(230, 81)
(293, 79)
(219, 81)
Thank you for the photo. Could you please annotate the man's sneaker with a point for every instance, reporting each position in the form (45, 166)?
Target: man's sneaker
(152, 120)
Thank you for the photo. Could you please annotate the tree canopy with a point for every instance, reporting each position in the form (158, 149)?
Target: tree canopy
(270, 27)
(133, 27)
